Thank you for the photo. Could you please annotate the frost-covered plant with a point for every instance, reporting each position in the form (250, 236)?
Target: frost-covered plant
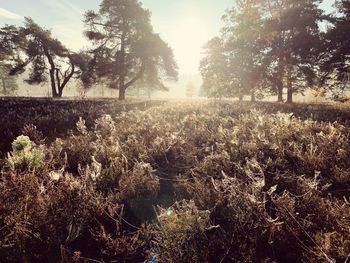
(141, 181)
(180, 230)
(21, 143)
(25, 153)
(259, 186)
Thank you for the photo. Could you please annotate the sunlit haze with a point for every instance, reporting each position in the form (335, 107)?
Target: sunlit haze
(188, 52)
(162, 131)
(186, 25)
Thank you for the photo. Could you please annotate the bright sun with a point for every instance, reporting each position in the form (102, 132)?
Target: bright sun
(188, 39)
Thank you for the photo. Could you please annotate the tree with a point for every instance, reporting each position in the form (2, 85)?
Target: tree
(44, 55)
(8, 83)
(125, 46)
(264, 44)
(214, 68)
(233, 63)
(294, 39)
(245, 46)
(335, 58)
(149, 83)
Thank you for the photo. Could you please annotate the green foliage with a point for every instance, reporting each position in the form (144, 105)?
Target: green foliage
(334, 61)
(24, 153)
(21, 143)
(35, 48)
(265, 47)
(294, 40)
(217, 80)
(245, 45)
(126, 49)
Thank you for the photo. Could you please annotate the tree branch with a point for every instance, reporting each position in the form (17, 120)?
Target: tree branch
(137, 76)
(58, 77)
(67, 77)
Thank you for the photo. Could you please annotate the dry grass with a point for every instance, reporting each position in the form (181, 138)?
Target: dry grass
(198, 182)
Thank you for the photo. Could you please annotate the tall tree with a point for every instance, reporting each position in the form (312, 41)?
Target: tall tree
(8, 52)
(233, 65)
(214, 68)
(243, 36)
(294, 37)
(335, 59)
(125, 46)
(44, 55)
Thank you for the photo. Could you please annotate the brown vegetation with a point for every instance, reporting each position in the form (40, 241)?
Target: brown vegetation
(185, 182)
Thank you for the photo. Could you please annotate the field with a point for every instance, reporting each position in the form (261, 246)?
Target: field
(177, 182)
(54, 118)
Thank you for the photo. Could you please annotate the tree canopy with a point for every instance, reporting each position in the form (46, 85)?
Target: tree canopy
(8, 84)
(335, 56)
(271, 46)
(217, 79)
(46, 58)
(125, 48)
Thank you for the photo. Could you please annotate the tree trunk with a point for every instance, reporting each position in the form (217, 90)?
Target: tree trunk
(4, 86)
(280, 92)
(66, 78)
(149, 92)
(289, 90)
(53, 83)
(52, 72)
(279, 78)
(289, 87)
(253, 99)
(121, 93)
(122, 77)
(289, 96)
(59, 95)
(122, 88)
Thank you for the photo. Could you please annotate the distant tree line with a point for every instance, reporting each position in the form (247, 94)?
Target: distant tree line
(124, 50)
(272, 46)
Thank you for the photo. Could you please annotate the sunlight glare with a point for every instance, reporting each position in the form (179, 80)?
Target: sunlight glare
(188, 39)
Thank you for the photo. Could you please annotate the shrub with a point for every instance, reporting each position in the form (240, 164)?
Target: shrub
(25, 153)
(230, 183)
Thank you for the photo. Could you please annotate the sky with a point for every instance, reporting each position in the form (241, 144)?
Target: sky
(185, 24)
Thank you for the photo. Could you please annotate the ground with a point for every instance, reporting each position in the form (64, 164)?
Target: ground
(176, 181)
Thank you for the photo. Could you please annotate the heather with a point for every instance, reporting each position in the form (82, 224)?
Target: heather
(181, 182)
